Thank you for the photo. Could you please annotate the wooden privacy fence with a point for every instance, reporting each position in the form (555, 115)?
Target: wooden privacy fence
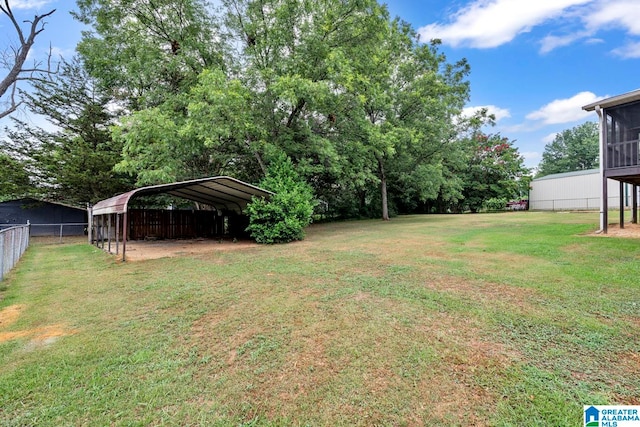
(13, 242)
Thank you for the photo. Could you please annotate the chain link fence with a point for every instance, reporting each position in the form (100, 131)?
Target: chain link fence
(13, 242)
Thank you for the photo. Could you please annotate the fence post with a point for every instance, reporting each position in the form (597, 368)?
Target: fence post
(28, 234)
(90, 223)
(2, 237)
(12, 249)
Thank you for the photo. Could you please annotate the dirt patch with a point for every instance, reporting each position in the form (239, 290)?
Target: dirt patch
(42, 336)
(140, 250)
(9, 315)
(613, 230)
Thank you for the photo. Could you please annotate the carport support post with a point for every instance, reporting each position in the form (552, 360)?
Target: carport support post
(117, 232)
(125, 225)
(621, 204)
(109, 232)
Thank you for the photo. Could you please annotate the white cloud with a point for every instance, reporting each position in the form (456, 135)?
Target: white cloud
(531, 155)
(499, 113)
(550, 43)
(630, 50)
(29, 4)
(564, 110)
(531, 158)
(616, 14)
(550, 138)
(491, 23)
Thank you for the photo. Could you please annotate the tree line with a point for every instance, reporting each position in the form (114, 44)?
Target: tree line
(368, 115)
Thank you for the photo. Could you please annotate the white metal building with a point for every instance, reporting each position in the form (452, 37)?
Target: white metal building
(578, 190)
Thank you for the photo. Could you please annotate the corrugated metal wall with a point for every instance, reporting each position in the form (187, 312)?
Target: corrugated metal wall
(574, 191)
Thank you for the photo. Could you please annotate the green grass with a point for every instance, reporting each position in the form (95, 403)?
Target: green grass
(500, 319)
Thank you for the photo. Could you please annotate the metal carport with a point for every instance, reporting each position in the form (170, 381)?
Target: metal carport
(220, 192)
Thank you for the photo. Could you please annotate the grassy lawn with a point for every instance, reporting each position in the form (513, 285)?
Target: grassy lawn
(500, 319)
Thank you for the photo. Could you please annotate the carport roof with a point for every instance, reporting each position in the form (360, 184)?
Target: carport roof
(221, 192)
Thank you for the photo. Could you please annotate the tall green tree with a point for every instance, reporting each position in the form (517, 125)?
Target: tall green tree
(347, 93)
(408, 95)
(148, 55)
(288, 56)
(275, 92)
(216, 135)
(14, 178)
(571, 150)
(144, 51)
(72, 159)
(495, 170)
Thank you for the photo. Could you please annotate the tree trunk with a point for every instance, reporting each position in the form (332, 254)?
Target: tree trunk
(257, 155)
(383, 190)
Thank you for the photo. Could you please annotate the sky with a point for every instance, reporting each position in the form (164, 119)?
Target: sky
(534, 63)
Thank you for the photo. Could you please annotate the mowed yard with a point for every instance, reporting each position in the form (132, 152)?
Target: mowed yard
(510, 319)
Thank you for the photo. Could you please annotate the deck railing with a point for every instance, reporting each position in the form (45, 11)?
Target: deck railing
(622, 154)
(13, 242)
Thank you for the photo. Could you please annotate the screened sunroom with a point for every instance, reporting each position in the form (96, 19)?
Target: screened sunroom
(619, 118)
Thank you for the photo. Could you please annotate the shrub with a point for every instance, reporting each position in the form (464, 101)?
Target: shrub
(284, 216)
(495, 204)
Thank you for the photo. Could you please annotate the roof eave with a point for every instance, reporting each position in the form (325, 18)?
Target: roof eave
(614, 101)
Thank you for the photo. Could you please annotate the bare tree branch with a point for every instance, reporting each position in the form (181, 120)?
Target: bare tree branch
(13, 105)
(15, 65)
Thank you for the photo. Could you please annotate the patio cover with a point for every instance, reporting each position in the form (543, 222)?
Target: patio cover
(221, 192)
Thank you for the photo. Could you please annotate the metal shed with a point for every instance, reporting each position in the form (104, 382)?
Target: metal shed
(579, 190)
(112, 219)
(46, 218)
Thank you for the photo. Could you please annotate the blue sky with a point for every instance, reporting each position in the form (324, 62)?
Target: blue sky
(534, 63)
